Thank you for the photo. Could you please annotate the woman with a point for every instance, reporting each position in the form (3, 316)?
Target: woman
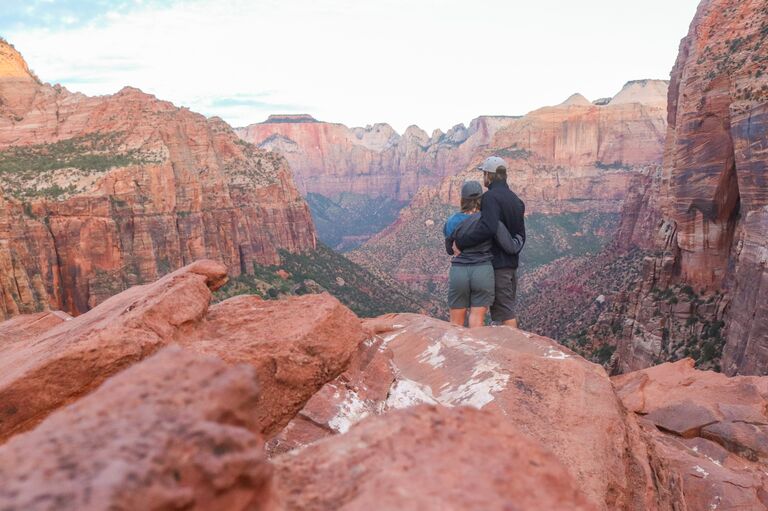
(471, 281)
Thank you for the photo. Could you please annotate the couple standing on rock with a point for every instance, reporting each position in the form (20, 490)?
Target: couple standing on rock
(485, 239)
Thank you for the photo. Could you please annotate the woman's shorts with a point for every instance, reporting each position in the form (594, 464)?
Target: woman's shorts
(470, 286)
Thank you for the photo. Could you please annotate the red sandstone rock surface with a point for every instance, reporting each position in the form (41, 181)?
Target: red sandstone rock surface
(428, 457)
(30, 325)
(92, 419)
(706, 210)
(710, 430)
(40, 374)
(297, 345)
(358, 392)
(330, 158)
(127, 189)
(545, 390)
(175, 431)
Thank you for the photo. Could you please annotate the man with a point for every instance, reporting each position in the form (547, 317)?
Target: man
(500, 204)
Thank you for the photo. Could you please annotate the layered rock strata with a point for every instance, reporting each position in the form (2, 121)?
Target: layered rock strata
(330, 159)
(101, 193)
(705, 212)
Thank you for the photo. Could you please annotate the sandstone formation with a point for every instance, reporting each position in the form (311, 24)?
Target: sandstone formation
(296, 346)
(704, 213)
(711, 431)
(27, 326)
(330, 159)
(98, 412)
(544, 390)
(40, 374)
(359, 392)
(101, 193)
(176, 431)
(428, 457)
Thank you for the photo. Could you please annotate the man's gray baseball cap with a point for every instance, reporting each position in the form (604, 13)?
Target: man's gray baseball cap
(471, 190)
(491, 164)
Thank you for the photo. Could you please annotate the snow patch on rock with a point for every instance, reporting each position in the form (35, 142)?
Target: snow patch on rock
(406, 393)
(432, 356)
(351, 410)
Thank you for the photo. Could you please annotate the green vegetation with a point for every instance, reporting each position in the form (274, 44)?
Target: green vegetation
(513, 153)
(347, 220)
(30, 171)
(550, 237)
(324, 270)
(617, 165)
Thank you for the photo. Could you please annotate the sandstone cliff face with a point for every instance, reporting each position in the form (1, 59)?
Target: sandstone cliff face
(329, 159)
(98, 194)
(706, 210)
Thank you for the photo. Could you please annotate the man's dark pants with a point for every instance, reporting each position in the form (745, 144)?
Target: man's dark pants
(503, 308)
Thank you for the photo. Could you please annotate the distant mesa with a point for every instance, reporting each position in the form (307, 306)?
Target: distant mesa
(642, 91)
(289, 118)
(576, 100)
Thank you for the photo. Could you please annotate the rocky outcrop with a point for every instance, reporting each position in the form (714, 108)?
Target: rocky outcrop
(706, 210)
(175, 431)
(428, 457)
(330, 159)
(102, 193)
(422, 414)
(296, 346)
(710, 430)
(535, 384)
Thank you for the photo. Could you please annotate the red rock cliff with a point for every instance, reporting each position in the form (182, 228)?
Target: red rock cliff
(331, 158)
(708, 209)
(100, 193)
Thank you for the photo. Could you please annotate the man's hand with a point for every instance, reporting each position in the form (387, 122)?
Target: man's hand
(456, 250)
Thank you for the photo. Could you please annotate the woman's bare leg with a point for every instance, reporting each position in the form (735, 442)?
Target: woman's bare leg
(477, 316)
(458, 316)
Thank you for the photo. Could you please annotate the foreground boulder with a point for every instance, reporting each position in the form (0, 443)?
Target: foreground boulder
(40, 374)
(176, 431)
(710, 430)
(546, 391)
(427, 457)
(296, 345)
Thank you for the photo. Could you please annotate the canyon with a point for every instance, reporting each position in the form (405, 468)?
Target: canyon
(701, 217)
(356, 180)
(168, 341)
(98, 194)
(572, 164)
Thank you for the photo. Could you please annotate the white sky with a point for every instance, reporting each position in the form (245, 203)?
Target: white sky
(426, 62)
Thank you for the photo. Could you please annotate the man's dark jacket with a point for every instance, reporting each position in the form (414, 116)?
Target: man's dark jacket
(500, 204)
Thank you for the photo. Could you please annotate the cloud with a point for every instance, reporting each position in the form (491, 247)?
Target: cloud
(434, 63)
